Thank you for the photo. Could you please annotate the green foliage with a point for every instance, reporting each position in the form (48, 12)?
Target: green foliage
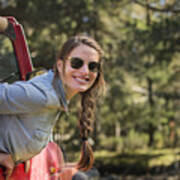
(137, 162)
(135, 140)
(111, 143)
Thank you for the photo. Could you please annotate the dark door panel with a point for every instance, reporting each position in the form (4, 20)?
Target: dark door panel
(9, 70)
(15, 60)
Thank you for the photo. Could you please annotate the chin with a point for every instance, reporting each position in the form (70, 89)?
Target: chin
(83, 89)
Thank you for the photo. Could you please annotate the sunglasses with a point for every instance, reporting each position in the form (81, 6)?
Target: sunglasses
(77, 63)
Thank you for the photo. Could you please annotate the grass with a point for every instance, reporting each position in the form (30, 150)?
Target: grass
(137, 162)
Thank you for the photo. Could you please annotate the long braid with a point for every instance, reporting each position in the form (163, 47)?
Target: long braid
(85, 125)
(87, 104)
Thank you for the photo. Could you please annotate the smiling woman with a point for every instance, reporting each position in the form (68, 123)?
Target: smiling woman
(29, 110)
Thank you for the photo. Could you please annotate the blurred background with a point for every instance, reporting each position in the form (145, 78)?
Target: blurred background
(137, 124)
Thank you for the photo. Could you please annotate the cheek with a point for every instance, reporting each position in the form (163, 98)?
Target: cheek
(93, 77)
(68, 71)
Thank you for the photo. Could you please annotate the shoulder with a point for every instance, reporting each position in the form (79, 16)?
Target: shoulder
(43, 79)
(38, 89)
(44, 83)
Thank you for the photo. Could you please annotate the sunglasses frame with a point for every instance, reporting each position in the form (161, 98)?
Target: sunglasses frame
(96, 68)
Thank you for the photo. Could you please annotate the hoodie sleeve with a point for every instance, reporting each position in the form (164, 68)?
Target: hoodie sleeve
(21, 97)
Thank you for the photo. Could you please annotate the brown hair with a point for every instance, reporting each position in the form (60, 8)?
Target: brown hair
(88, 97)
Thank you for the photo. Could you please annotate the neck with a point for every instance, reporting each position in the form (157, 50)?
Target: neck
(70, 93)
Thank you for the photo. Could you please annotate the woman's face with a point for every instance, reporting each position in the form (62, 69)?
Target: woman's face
(80, 77)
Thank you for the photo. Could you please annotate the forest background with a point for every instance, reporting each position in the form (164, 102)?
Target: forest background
(137, 122)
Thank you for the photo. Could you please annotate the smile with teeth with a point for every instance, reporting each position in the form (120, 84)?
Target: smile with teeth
(81, 79)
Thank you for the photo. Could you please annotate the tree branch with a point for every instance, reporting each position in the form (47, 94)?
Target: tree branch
(165, 10)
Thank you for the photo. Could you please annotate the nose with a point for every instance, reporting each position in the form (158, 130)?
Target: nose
(84, 69)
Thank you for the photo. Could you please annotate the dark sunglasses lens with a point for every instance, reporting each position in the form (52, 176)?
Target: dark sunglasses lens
(76, 63)
(94, 66)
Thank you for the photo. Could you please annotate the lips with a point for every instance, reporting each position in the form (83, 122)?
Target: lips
(81, 79)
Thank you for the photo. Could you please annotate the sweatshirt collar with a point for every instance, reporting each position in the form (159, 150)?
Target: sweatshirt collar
(58, 87)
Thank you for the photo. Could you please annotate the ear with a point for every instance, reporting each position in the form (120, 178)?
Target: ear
(59, 65)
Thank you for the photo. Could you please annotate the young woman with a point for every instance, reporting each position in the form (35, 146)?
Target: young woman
(29, 110)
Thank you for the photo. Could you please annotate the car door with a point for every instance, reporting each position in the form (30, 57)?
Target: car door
(15, 61)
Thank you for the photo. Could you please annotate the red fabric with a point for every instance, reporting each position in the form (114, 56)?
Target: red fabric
(48, 165)
(18, 173)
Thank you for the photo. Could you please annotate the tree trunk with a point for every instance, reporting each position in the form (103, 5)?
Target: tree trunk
(117, 129)
(172, 133)
(151, 127)
(151, 131)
